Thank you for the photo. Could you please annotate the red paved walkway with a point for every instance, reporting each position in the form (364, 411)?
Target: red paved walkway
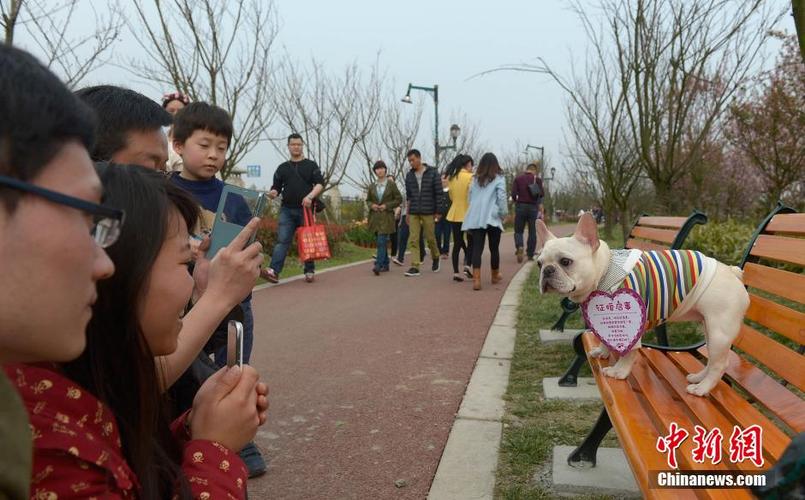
(366, 374)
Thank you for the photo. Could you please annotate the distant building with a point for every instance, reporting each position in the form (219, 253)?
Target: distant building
(236, 177)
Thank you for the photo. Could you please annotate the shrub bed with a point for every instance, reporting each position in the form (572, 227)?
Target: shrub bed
(267, 236)
(725, 241)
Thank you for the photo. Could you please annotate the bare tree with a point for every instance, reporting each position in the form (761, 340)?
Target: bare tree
(681, 62)
(766, 125)
(390, 139)
(218, 51)
(678, 64)
(46, 25)
(334, 114)
(469, 141)
(798, 12)
(603, 155)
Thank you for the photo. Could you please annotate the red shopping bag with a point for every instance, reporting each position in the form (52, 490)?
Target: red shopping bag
(312, 239)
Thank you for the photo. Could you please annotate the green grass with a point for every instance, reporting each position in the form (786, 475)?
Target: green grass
(533, 425)
(346, 253)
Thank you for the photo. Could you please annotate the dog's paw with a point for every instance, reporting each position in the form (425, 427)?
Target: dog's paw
(701, 389)
(695, 378)
(616, 372)
(599, 352)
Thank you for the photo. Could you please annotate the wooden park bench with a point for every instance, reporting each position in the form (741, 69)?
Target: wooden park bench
(648, 233)
(763, 385)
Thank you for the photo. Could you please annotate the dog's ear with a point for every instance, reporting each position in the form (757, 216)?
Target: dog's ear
(587, 231)
(543, 235)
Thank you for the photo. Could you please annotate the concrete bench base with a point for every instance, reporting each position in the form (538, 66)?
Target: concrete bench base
(612, 475)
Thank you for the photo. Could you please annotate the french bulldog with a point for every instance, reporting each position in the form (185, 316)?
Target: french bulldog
(574, 266)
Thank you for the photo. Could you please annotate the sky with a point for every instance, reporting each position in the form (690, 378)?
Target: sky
(427, 42)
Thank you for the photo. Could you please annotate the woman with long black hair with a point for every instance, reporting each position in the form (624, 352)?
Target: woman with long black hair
(484, 218)
(457, 180)
(101, 422)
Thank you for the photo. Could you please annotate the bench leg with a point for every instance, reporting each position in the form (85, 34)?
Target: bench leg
(568, 308)
(584, 456)
(570, 378)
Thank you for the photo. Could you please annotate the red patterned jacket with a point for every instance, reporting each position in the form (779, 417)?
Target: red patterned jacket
(77, 449)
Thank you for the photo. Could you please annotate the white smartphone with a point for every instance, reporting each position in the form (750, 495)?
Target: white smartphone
(234, 344)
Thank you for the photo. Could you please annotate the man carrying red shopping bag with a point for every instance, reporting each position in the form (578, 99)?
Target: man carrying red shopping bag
(311, 239)
(300, 183)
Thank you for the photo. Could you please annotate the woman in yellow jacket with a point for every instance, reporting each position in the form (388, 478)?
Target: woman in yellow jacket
(456, 181)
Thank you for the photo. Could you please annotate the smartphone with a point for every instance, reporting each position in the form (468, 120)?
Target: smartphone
(234, 344)
(236, 208)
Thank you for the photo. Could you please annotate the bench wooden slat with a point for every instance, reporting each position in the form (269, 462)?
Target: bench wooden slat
(778, 358)
(667, 411)
(672, 222)
(724, 407)
(651, 233)
(644, 245)
(780, 248)
(639, 428)
(787, 223)
(784, 404)
(777, 281)
(777, 317)
(706, 414)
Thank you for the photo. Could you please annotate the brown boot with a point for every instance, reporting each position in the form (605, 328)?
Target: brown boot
(476, 278)
(520, 255)
(496, 277)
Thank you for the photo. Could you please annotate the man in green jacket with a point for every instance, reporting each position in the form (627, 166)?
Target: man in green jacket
(383, 197)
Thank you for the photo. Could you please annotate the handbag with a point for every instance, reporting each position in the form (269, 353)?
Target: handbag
(311, 239)
(536, 190)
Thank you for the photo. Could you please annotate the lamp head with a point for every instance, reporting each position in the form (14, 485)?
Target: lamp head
(455, 131)
(553, 171)
(407, 98)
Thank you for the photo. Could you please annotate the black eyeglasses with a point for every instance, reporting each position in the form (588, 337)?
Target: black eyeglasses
(106, 221)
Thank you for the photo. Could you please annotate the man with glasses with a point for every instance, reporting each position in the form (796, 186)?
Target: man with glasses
(52, 233)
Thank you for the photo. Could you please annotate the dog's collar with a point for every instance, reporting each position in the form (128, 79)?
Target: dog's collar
(621, 263)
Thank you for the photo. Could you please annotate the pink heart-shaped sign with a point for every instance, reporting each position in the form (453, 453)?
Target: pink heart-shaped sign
(617, 318)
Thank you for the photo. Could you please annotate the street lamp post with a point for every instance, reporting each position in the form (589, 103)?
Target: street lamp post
(541, 155)
(455, 130)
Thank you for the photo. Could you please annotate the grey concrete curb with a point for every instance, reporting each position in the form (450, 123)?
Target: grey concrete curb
(469, 462)
(552, 337)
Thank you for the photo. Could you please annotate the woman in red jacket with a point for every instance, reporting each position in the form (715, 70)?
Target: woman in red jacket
(99, 423)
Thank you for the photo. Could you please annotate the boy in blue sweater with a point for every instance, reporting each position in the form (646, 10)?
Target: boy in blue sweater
(201, 136)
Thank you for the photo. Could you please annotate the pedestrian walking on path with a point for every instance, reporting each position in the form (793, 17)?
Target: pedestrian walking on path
(423, 190)
(458, 178)
(382, 198)
(403, 232)
(527, 193)
(485, 215)
(300, 182)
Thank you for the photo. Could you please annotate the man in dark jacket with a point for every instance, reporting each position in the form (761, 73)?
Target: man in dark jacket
(527, 210)
(423, 190)
(300, 182)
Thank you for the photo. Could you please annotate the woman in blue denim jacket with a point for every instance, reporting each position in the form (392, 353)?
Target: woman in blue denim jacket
(488, 207)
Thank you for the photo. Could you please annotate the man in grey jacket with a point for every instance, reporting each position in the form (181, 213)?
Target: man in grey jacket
(423, 190)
